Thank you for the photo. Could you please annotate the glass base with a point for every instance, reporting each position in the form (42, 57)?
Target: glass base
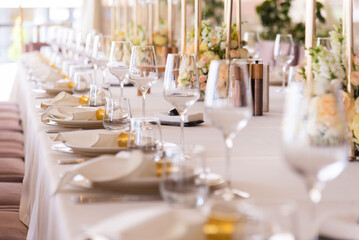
(231, 193)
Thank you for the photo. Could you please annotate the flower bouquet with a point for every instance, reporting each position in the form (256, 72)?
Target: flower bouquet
(213, 47)
(330, 71)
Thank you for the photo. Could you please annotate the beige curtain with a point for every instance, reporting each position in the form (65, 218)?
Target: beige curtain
(91, 15)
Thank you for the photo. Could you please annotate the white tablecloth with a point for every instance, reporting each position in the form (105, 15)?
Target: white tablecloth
(257, 166)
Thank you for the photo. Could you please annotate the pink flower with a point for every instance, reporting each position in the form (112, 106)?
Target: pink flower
(202, 79)
(203, 86)
(204, 60)
(355, 78)
(356, 60)
(234, 53)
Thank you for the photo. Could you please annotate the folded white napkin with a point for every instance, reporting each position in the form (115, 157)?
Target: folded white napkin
(69, 113)
(176, 119)
(109, 169)
(89, 138)
(63, 99)
(154, 223)
(62, 83)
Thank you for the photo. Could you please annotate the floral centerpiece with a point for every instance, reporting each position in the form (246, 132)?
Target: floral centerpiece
(329, 70)
(213, 46)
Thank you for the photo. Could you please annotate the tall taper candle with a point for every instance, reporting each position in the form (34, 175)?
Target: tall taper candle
(197, 26)
(344, 25)
(229, 26)
(125, 16)
(135, 18)
(239, 20)
(150, 23)
(349, 41)
(157, 15)
(183, 26)
(309, 38)
(169, 22)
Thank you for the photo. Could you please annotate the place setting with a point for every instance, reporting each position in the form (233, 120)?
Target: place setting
(176, 120)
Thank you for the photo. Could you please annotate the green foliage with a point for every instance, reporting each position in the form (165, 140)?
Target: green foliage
(275, 19)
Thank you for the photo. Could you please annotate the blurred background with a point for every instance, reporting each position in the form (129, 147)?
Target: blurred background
(24, 23)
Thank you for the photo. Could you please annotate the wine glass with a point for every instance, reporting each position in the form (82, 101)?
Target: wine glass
(181, 85)
(326, 42)
(143, 71)
(119, 62)
(101, 51)
(252, 44)
(284, 53)
(315, 140)
(146, 136)
(228, 106)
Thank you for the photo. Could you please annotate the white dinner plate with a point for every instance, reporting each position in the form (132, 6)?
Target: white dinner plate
(341, 226)
(144, 184)
(95, 150)
(75, 123)
(78, 123)
(52, 90)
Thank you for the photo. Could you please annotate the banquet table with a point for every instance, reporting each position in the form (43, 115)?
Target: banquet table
(257, 166)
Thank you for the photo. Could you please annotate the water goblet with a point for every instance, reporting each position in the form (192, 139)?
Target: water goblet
(283, 53)
(143, 71)
(228, 107)
(119, 61)
(252, 44)
(181, 85)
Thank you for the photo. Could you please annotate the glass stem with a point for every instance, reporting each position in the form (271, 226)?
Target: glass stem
(283, 80)
(182, 118)
(229, 145)
(122, 86)
(143, 104)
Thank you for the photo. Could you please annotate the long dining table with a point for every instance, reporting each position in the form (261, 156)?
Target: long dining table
(257, 166)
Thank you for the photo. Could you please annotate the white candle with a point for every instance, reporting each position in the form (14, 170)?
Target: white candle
(239, 20)
(150, 24)
(229, 26)
(169, 22)
(309, 37)
(135, 18)
(349, 40)
(125, 16)
(183, 26)
(197, 26)
(157, 15)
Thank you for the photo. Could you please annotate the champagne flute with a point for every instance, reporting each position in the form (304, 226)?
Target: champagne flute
(143, 71)
(228, 106)
(119, 62)
(181, 85)
(315, 141)
(252, 44)
(283, 53)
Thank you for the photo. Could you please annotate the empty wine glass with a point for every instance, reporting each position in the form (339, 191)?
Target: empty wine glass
(252, 44)
(117, 114)
(315, 140)
(181, 86)
(228, 106)
(143, 71)
(284, 53)
(119, 62)
(101, 51)
(146, 136)
(326, 42)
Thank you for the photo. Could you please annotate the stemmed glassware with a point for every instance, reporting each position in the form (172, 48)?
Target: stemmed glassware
(101, 51)
(326, 42)
(284, 53)
(252, 44)
(119, 62)
(228, 106)
(143, 71)
(315, 140)
(181, 85)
